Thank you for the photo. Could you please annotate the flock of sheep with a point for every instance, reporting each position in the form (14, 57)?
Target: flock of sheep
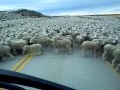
(96, 33)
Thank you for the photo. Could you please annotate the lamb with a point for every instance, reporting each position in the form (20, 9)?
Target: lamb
(116, 59)
(63, 43)
(91, 45)
(5, 50)
(37, 48)
(16, 44)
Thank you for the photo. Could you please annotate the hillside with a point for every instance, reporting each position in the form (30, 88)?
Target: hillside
(19, 14)
(28, 13)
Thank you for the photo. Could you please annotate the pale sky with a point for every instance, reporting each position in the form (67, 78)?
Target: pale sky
(64, 7)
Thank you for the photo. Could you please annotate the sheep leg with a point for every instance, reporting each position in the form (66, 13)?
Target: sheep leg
(118, 68)
(23, 52)
(83, 53)
(114, 63)
(95, 53)
(55, 51)
(11, 55)
(14, 51)
(3, 58)
(69, 51)
(48, 48)
(74, 44)
(79, 44)
(38, 53)
(92, 51)
(104, 56)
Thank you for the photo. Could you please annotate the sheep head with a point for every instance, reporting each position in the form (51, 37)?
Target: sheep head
(25, 48)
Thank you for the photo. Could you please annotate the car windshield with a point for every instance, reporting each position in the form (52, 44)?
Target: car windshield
(75, 43)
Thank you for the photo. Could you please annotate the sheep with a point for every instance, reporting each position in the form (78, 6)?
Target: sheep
(87, 37)
(44, 41)
(63, 43)
(116, 59)
(5, 50)
(33, 40)
(24, 34)
(79, 40)
(91, 45)
(16, 44)
(108, 40)
(108, 50)
(67, 37)
(27, 38)
(74, 34)
(37, 48)
(68, 32)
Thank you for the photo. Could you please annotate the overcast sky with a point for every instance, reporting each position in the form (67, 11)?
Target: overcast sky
(64, 7)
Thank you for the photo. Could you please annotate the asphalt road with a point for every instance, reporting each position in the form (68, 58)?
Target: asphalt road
(71, 70)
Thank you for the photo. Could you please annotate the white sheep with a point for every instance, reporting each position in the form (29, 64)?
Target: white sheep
(33, 40)
(116, 59)
(67, 37)
(37, 48)
(5, 50)
(79, 40)
(108, 50)
(109, 40)
(91, 45)
(74, 34)
(44, 41)
(27, 38)
(24, 34)
(63, 43)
